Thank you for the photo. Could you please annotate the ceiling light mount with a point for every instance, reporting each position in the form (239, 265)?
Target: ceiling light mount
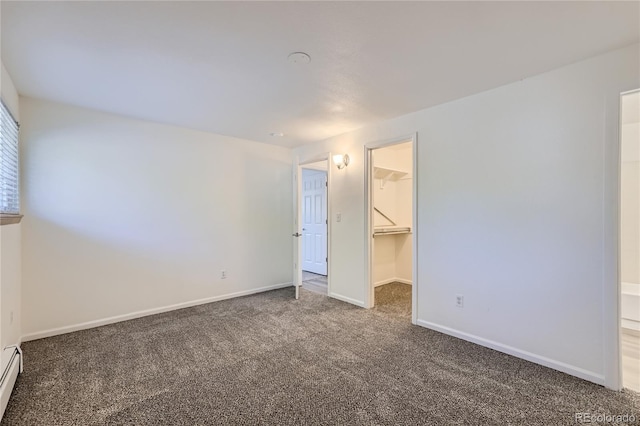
(299, 58)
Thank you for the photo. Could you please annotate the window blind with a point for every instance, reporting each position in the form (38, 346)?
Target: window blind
(9, 190)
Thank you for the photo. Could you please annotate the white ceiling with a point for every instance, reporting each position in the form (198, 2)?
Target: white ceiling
(222, 66)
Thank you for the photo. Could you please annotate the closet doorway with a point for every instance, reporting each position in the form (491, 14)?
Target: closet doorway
(630, 240)
(391, 225)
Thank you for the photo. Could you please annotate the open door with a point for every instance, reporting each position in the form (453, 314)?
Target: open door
(314, 221)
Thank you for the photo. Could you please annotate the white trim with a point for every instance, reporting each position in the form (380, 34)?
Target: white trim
(547, 362)
(297, 250)
(347, 299)
(392, 280)
(316, 159)
(146, 312)
(368, 228)
(611, 354)
(414, 240)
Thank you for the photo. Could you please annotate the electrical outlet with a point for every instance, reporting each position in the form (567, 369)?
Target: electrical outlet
(11, 318)
(223, 274)
(459, 301)
(338, 217)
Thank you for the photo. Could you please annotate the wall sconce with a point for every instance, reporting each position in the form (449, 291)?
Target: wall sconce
(341, 160)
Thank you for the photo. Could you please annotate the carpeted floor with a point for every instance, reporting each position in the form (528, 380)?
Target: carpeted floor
(393, 299)
(269, 359)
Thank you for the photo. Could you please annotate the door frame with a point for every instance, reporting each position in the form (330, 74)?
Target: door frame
(368, 219)
(297, 217)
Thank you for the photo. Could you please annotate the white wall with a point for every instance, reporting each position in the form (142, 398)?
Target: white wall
(392, 259)
(511, 187)
(10, 247)
(124, 216)
(384, 259)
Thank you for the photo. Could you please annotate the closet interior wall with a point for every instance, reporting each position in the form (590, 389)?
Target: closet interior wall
(392, 200)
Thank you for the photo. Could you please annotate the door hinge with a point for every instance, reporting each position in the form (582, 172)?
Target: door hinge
(326, 259)
(326, 183)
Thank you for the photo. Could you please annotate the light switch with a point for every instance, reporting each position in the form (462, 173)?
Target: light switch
(338, 217)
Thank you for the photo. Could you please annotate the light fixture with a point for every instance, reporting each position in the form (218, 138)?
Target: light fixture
(299, 58)
(276, 134)
(341, 160)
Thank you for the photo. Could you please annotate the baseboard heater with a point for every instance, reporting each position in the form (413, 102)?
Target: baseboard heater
(11, 366)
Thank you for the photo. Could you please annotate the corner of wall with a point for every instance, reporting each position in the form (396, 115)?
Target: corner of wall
(10, 247)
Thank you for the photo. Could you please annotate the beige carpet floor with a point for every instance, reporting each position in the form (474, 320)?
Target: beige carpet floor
(394, 299)
(268, 359)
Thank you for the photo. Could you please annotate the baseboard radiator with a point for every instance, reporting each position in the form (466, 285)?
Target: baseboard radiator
(11, 365)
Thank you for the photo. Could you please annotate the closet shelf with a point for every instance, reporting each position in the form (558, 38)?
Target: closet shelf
(391, 230)
(388, 174)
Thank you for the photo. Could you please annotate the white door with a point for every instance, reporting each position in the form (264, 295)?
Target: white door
(314, 221)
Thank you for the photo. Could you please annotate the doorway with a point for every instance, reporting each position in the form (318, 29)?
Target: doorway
(630, 240)
(311, 245)
(314, 227)
(391, 208)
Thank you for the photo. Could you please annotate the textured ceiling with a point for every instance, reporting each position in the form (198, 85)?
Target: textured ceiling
(222, 66)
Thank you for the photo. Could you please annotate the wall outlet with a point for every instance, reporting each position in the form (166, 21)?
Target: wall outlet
(338, 217)
(459, 301)
(223, 274)
(11, 318)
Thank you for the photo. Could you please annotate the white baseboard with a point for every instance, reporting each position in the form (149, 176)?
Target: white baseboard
(547, 362)
(347, 299)
(392, 280)
(147, 312)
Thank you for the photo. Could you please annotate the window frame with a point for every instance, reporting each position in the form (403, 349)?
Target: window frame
(11, 218)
